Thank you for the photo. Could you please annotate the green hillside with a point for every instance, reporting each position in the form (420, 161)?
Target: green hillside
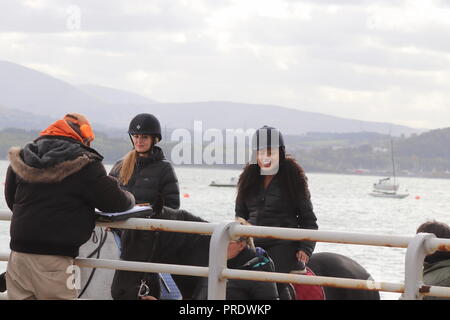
(427, 154)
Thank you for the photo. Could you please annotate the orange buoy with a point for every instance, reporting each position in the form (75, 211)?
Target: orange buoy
(186, 195)
(417, 197)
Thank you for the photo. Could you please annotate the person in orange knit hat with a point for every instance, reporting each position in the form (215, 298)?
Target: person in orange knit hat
(53, 186)
(75, 126)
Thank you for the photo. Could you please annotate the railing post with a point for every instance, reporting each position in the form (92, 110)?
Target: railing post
(218, 261)
(415, 256)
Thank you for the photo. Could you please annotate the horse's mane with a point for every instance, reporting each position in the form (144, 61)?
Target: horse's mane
(167, 213)
(172, 245)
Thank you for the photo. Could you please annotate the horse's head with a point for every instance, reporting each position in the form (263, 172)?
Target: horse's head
(178, 248)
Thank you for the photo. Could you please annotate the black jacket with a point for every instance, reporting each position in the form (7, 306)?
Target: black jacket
(272, 207)
(153, 176)
(52, 187)
(247, 259)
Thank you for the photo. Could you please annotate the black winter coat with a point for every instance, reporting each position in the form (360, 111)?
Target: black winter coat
(237, 289)
(153, 176)
(52, 187)
(272, 207)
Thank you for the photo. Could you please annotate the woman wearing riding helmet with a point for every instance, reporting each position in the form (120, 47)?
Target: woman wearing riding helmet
(145, 173)
(273, 191)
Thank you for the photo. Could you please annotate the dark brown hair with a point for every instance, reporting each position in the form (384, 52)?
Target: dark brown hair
(292, 175)
(440, 230)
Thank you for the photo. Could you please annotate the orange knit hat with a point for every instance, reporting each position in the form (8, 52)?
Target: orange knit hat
(64, 128)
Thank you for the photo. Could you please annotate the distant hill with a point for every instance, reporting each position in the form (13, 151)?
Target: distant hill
(430, 144)
(115, 96)
(315, 140)
(233, 115)
(426, 154)
(11, 118)
(34, 92)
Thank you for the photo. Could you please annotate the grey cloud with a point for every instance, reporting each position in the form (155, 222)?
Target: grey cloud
(357, 3)
(167, 16)
(337, 51)
(322, 29)
(17, 17)
(431, 38)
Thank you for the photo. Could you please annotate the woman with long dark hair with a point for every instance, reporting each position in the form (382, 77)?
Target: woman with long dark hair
(273, 191)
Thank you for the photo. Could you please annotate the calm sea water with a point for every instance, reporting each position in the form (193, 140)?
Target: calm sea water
(341, 203)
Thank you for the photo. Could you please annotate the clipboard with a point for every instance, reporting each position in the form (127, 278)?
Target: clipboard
(137, 211)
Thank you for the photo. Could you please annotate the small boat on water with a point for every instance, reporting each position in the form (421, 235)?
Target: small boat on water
(387, 187)
(386, 184)
(388, 194)
(231, 183)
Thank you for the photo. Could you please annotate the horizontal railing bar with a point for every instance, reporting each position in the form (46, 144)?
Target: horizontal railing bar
(435, 291)
(142, 266)
(267, 232)
(313, 280)
(237, 274)
(440, 244)
(369, 285)
(260, 232)
(320, 236)
(252, 275)
(148, 224)
(162, 225)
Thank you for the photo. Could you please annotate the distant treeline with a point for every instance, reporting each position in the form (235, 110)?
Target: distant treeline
(427, 154)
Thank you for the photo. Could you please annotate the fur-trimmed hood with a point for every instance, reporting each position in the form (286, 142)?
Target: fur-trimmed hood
(50, 160)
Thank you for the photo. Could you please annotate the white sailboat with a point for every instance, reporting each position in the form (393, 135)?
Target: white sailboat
(387, 187)
(231, 183)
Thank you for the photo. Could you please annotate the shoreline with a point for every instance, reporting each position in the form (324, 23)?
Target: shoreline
(368, 174)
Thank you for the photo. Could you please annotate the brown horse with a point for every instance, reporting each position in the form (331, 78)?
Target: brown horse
(193, 249)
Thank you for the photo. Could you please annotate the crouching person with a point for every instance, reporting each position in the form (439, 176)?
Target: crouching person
(436, 268)
(243, 255)
(52, 187)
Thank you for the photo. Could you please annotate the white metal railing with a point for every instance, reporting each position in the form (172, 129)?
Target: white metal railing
(413, 288)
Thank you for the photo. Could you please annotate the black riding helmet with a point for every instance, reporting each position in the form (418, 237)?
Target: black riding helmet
(145, 123)
(266, 137)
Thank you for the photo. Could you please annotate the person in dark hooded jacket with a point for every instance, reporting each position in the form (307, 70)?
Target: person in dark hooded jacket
(243, 255)
(52, 187)
(436, 267)
(146, 173)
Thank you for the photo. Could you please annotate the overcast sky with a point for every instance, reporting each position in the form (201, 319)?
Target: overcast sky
(362, 59)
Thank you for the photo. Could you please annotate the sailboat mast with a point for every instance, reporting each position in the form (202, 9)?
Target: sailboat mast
(393, 162)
